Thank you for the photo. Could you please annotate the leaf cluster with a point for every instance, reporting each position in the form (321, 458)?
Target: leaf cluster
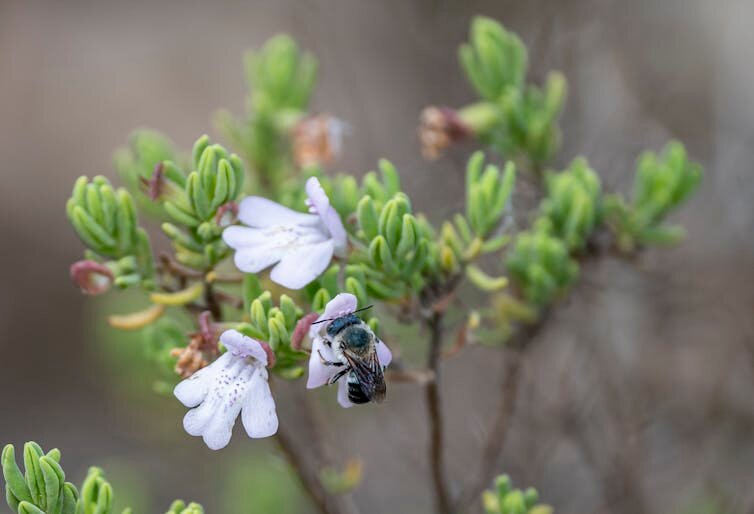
(42, 488)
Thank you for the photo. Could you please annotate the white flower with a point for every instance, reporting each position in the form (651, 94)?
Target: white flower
(319, 373)
(300, 245)
(236, 382)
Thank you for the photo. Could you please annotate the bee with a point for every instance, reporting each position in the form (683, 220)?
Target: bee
(355, 348)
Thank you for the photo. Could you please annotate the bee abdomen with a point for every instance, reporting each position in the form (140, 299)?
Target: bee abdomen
(356, 393)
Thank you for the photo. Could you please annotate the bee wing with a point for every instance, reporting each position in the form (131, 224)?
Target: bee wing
(368, 371)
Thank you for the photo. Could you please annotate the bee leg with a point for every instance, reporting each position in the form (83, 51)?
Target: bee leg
(327, 362)
(338, 375)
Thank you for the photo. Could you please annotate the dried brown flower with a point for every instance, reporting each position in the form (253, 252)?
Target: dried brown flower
(440, 127)
(318, 139)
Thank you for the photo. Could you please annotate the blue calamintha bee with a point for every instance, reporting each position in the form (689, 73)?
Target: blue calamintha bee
(355, 348)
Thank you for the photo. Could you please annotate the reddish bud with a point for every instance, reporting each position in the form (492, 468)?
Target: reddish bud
(269, 352)
(302, 329)
(92, 277)
(153, 185)
(226, 214)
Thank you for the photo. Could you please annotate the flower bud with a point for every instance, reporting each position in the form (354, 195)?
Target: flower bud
(271, 359)
(302, 329)
(226, 214)
(92, 277)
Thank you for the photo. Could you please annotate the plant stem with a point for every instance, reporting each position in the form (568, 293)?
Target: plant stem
(308, 470)
(513, 358)
(434, 408)
(309, 479)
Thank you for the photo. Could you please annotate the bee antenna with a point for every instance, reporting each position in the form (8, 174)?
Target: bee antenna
(362, 309)
(333, 319)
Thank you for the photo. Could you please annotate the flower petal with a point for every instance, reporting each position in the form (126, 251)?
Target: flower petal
(256, 211)
(196, 420)
(343, 393)
(331, 220)
(258, 415)
(238, 237)
(317, 196)
(343, 303)
(220, 429)
(301, 265)
(215, 417)
(384, 355)
(240, 345)
(329, 216)
(319, 373)
(193, 390)
(255, 259)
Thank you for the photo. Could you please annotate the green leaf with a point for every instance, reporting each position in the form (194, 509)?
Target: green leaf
(180, 215)
(14, 480)
(366, 214)
(483, 281)
(52, 482)
(28, 508)
(321, 297)
(408, 236)
(200, 145)
(11, 500)
(356, 288)
(390, 177)
(33, 474)
(664, 235)
(70, 499)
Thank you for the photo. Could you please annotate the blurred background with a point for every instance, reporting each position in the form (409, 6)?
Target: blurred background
(637, 398)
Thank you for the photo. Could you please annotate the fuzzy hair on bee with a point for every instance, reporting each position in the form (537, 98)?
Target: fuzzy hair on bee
(354, 345)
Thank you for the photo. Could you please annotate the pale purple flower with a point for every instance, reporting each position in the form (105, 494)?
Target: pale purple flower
(300, 245)
(235, 383)
(319, 373)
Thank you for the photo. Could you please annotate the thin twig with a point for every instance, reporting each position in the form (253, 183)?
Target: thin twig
(513, 358)
(227, 279)
(231, 299)
(434, 408)
(409, 376)
(174, 268)
(213, 305)
(308, 469)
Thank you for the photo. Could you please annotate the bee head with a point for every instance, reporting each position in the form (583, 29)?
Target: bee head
(356, 337)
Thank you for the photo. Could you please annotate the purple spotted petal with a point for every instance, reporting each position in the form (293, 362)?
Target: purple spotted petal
(240, 345)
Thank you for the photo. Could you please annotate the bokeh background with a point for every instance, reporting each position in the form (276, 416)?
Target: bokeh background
(637, 398)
